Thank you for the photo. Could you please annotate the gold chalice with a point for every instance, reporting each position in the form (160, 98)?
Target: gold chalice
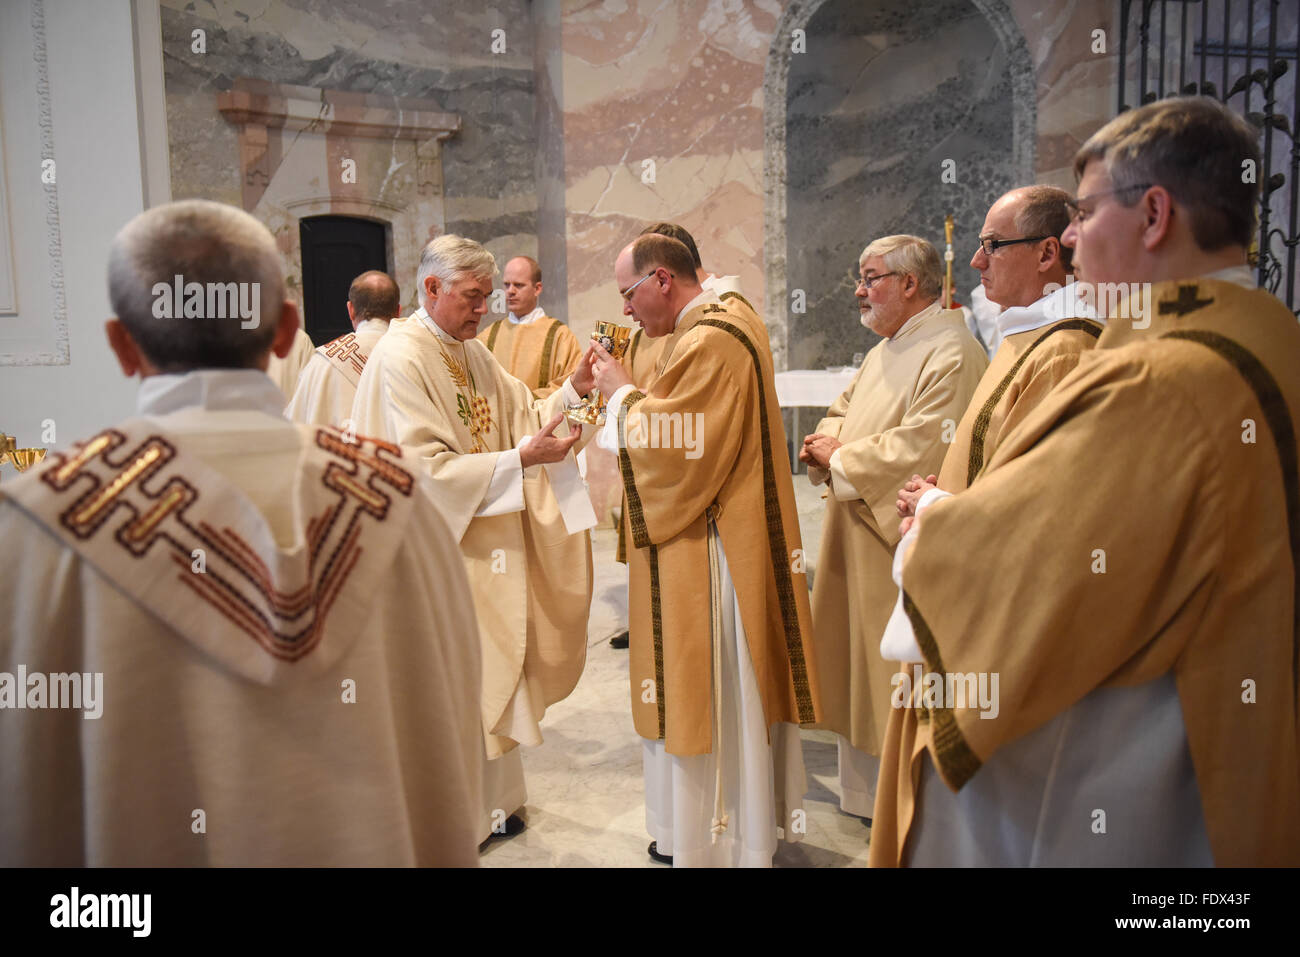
(22, 459)
(613, 338)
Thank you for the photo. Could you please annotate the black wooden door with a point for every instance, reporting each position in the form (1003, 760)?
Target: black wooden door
(335, 250)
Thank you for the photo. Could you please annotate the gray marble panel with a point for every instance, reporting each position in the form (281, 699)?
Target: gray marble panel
(880, 101)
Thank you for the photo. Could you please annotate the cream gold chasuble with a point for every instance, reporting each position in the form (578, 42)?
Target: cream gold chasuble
(327, 386)
(262, 600)
(454, 407)
(1139, 526)
(892, 421)
(716, 380)
(645, 357)
(284, 372)
(541, 353)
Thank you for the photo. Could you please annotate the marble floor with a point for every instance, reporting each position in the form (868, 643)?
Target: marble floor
(585, 799)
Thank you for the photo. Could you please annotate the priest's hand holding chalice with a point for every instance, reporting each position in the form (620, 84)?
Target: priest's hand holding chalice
(609, 343)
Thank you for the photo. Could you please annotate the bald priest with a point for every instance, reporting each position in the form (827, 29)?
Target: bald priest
(722, 663)
(327, 385)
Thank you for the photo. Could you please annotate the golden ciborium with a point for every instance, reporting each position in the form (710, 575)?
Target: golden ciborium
(613, 338)
(22, 459)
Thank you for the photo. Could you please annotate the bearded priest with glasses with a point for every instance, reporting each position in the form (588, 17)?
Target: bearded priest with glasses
(893, 421)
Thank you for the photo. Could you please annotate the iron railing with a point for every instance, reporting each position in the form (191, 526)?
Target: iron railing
(1245, 54)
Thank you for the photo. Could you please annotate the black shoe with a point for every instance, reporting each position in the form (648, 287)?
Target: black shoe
(513, 825)
(619, 640)
(656, 856)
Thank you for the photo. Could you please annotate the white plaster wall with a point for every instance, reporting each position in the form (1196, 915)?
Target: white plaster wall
(97, 145)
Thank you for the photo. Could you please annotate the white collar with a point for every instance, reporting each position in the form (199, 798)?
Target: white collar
(1062, 303)
(536, 314)
(705, 297)
(210, 390)
(1238, 275)
(372, 324)
(424, 317)
(721, 284)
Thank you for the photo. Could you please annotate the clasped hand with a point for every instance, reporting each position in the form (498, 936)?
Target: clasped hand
(909, 495)
(818, 449)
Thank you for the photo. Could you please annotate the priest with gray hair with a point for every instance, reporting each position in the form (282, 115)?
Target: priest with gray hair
(893, 421)
(510, 490)
(250, 659)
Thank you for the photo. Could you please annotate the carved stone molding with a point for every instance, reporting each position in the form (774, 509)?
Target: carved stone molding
(257, 106)
(59, 354)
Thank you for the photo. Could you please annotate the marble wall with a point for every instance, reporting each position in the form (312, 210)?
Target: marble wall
(663, 112)
(598, 117)
(475, 63)
(892, 122)
(686, 85)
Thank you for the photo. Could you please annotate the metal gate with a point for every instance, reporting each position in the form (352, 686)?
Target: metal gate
(1245, 54)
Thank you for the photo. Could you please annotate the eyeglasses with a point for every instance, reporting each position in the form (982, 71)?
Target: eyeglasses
(1075, 206)
(870, 281)
(990, 246)
(627, 296)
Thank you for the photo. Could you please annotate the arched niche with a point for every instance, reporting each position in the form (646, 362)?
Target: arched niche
(857, 128)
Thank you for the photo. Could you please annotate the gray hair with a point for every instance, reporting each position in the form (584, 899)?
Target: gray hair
(228, 253)
(1197, 149)
(1043, 213)
(449, 257)
(910, 255)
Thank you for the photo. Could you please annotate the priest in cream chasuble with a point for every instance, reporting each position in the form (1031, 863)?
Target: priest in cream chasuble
(511, 495)
(328, 383)
(278, 678)
(893, 421)
(1144, 639)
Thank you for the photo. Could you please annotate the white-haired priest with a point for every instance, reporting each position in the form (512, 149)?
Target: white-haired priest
(511, 492)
